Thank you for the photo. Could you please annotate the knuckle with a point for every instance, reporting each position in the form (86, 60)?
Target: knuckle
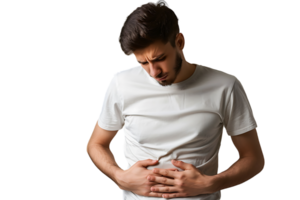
(180, 183)
(182, 191)
(145, 193)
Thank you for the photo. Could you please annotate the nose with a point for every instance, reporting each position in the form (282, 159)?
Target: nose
(154, 70)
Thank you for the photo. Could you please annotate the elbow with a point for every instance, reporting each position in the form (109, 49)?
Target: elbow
(264, 165)
(86, 150)
(262, 160)
(260, 164)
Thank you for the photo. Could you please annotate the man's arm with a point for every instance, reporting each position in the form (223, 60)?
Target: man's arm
(104, 160)
(100, 154)
(250, 163)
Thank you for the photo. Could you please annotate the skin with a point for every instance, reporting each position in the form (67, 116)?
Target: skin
(172, 63)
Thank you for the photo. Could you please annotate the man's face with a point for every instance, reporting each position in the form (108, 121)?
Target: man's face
(160, 60)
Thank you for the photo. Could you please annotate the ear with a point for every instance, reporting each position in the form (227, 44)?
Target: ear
(179, 41)
(184, 37)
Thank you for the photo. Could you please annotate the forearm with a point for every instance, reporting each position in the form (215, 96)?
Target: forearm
(241, 171)
(104, 161)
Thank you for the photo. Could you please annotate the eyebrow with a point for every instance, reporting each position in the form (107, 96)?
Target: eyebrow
(156, 58)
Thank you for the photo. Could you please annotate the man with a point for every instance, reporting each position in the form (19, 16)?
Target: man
(172, 110)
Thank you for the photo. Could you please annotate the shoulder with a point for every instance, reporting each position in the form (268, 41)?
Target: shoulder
(217, 77)
(129, 72)
(128, 79)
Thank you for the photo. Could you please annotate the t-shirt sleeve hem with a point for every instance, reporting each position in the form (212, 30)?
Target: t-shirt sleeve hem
(108, 127)
(242, 130)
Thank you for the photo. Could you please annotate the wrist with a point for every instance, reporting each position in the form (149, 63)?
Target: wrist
(118, 177)
(211, 184)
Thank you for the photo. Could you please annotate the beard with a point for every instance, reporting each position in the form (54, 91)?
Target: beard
(176, 70)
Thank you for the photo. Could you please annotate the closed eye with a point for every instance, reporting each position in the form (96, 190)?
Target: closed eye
(155, 61)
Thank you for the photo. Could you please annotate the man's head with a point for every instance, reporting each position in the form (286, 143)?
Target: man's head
(151, 33)
(148, 23)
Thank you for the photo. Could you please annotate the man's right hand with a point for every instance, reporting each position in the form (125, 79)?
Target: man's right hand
(135, 179)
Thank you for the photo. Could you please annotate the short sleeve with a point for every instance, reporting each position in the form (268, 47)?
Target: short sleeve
(111, 116)
(238, 117)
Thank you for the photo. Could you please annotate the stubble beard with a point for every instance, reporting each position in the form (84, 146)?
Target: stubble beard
(176, 69)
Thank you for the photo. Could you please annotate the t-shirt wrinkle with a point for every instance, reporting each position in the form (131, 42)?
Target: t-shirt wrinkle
(182, 121)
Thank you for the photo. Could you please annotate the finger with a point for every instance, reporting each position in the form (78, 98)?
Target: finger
(173, 169)
(162, 180)
(159, 185)
(172, 195)
(164, 172)
(166, 189)
(145, 163)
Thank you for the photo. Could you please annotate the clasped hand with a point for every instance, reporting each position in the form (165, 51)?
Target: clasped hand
(166, 183)
(189, 182)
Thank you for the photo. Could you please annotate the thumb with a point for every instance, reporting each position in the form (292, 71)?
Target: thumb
(182, 165)
(147, 162)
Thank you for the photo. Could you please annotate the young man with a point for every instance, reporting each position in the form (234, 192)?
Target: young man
(170, 110)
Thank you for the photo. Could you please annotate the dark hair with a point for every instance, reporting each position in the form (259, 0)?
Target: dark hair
(148, 24)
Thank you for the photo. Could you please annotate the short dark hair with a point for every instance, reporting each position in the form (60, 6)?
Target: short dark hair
(148, 24)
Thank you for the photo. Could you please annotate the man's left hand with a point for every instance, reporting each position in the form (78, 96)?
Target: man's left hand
(189, 182)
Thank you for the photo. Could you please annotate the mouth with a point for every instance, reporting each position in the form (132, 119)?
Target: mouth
(162, 78)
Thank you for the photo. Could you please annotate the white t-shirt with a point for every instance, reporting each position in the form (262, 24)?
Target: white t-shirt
(182, 121)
